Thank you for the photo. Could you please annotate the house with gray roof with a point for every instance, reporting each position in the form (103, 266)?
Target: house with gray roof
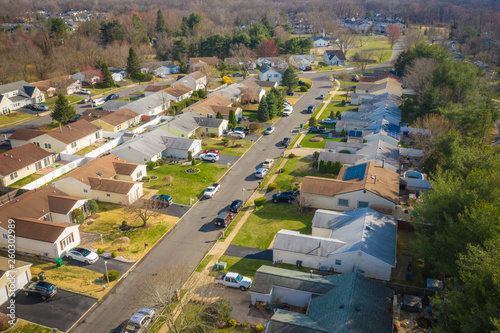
(15, 95)
(150, 105)
(154, 145)
(301, 61)
(267, 73)
(188, 124)
(336, 303)
(334, 58)
(361, 240)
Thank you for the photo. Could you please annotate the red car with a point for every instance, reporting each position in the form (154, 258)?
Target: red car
(211, 151)
(309, 68)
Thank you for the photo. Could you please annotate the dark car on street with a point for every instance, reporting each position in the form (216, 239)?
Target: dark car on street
(40, 289)
(112, 97)
(162, 200)
(289, 93)
(286, 142)
(236, 206)
(316, 129)
(223, 219)
(310, 109)
(284, 197)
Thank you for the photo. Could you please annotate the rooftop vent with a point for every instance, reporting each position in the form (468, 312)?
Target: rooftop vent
(341, 306)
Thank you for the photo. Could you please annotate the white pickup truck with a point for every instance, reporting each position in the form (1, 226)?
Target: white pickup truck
(211, 190)
(233, 280)
(267, 163)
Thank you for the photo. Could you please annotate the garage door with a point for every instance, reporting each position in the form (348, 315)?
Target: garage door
(22, 280)
(70, 91)
(3, 295)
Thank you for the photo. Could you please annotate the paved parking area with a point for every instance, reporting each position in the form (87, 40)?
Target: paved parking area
(177, 210)
(60, 311)
(242, 311)
(248, 252)
(99, 266)
(224, 160)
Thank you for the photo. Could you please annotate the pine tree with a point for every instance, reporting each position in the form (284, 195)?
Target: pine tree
(262, 111)
(62, 111)
(133, 62)
(183, 67)
(343, 133)
(161, 24)
(290, 79)
(232, 119)
(337, 167)
(108, 81)
(272, 110)
(219, 115)
(322, 167)
(313, 122)
(329, 167)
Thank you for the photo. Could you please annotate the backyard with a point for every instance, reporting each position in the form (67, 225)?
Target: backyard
(26, 180)
(377, 46)
(174, 181)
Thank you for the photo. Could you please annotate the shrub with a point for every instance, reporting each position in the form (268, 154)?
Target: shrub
(201, 93)
(254, 127)
(100, 251)
(292, 155)
(92, 206)
(150, 165)
(313, 122)
(160, 162)
(77, 216)
(112, 275)
(142, 77)
(322, 166)
(232, 322)
(316, 155)
(272, 186)
(329, 167)
(114, 254)
(226, 79)
(337, 167)
(238, 145)
(225, 141)
(259, 328)
(343, 133)
(260, 201)
(304, 89)
(193, 161)
(34, 278)
(190, 155)
(338, 114)
(124, 224)
(281, 170)
(296, 188)
(218, 313)
(308, 85)
(194, 94)
(342, 103)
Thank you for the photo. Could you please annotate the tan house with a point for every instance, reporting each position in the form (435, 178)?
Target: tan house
(69, 138)
(195, 81)
(17, 272)
(119, 120)
(178, 92)
(63, 84)
(210, 106)
(358, 186)
(196, 63)
(108, 178)
(23, 161)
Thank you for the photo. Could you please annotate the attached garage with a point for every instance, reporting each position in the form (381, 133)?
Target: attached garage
(21, 273)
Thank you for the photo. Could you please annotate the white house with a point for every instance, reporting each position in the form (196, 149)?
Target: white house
(154, 145)
(301, 61)
(276, 62)
(360, 240)
(195, 81)
(321, 41)
(334, 58)
(117, 77)
(267, 73)
(150, 105)
(189, 124)
(82, 77)
(178, 92)
(358, 186)
(15, 95)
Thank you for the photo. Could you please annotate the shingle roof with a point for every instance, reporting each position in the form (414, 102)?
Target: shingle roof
(197, 75)
(40, 230)
(293, 322)
(152, 101)
(19, 85)
(119, 117)
(76, 131)
(110, 185)
(294, 241)
(381, 77)
(177, 90)
(21, 157)
(154, 88)
(208, 122)
(332, 53)
(62, 204)
(25, 134)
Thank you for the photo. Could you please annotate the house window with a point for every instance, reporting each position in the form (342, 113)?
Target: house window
(98, 135)
(48, 146)
(344, 202)
(13, 175)
(73, 144)
(338, 262)
(119, 127)
(67, 241)
(85, 190)
(38, 165)
(209, 116)
(36, 143)
(108, 195)
(46, 161)
(139, 174)
(363, 204)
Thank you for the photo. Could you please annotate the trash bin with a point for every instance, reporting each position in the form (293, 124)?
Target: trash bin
(301, 125)
(221, 265)
(299, 264)
(41, 276)
(59, 262)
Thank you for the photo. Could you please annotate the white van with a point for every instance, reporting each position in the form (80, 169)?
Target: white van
(97, 102)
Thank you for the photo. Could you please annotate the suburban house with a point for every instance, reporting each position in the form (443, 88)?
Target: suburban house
(108, 178)
(68, 139)
(210, 106)
(334, 58)
(385, 86)
(234, 93)
(370, 99)
(361, 240)
(114, 105)
(358, 186)
(276, 62)
(150, 105)
(154, 145)
(46, 203)
(20, 162)
(382, 130)
(117, 77)
(380, 78)
(195, 81)
(159, 68)
(334, 303)
(178, 92)
(303, 60)
(18, 273)
(118, 120)
(189, 124)
(91, 78)
(348, 154)
(267, 73)
(15, 95)
(63, 84)
(122, 72)
(196, 63)
(321, 41)
(252, 82)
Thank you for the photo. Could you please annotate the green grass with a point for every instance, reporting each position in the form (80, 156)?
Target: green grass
(24, 326)
(129, 99)
(263, 224)
(252, 116)
(328, 68)
(204, 263)
(295, 169)
(51, 102)
(305, 143)
(14, 117)
(235, 222)
(374, 44)
(334, 107)
(26, 180)
(184, 185)
(229, 150)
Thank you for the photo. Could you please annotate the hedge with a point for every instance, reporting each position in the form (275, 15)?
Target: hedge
(260, 201)
(112, 274)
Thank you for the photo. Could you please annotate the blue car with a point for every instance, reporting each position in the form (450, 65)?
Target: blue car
(162, 200)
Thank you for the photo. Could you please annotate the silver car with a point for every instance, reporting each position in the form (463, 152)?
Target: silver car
(140, 321)
(261, 173)
(83, 255)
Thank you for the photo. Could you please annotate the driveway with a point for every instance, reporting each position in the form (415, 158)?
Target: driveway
(177, 210)
(224, 159)
(242, 311)
(99, 266)
(60, 311)
(251, 137)
(248, 253)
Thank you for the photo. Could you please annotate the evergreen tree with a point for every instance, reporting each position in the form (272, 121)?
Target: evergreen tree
(343, 133)
(62, 111)
(272, 110)
(290, 79)
(219, 115)
(133, 62)
(329, 167)
(232, 119)
(313, 122)
(183, 67)
(278, 98)
(161, 24)
(322, 166)
(337, 167)
(107, 81)
(262, 111)
(202, 94)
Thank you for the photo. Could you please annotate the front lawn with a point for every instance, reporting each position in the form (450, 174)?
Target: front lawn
(294, 171)
(14, 117)
(26, 326)
(184, 186)
(263, 224)
(229, 150)
(328, 68)
(334, 107)
(305, 143)
(109, 220)
(51, 102)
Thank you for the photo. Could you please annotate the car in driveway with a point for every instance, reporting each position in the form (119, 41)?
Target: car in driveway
(261, 173)
(242, 129)
(328, 121)
(40, 107)
(316, 129)
(237, 134)
(112, 97)
(162, 200)
(83, 255)
(210, 157)
(269, 130)
(308, 68)
(211, 151)
(236, 206)
(85, 92)
(289, 93)
(140, 321)
(41, 289)
(284, 197)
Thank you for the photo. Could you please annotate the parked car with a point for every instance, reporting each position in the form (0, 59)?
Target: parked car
(233, 280)
(261, 173)
(236, 206)
(267, 163)
(6, 142)
(242, 129)
(85, 92)
(316, 129)
(321, 96)
(354, 78)
(308, 68)
(301, 83)
(210, 157)
(40, 107)
(40, 289)
(310, 109)
(237, 134)
(238, 74)
(112, 97)
(162, 200)
(286, 142)
(77, 117)
(85, 100)
(328, 121)
(269, 130)
(97, 102)
(286, 112)
(140, 321)
(284, 196)
(289, 93)
(211, 190)
(211, 151)
(83, 255)
(223, 219)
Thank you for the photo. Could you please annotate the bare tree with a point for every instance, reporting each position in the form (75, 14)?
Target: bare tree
(211, 73)
(248, 95)
(143, 210)
(344, 77)
(346, 40)
(412, 37)
(419, 75)
(393, 33)
(379, 54)
(362, 41)
(280, 32)
(244, 56)
(362, 59)
(437, 125)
